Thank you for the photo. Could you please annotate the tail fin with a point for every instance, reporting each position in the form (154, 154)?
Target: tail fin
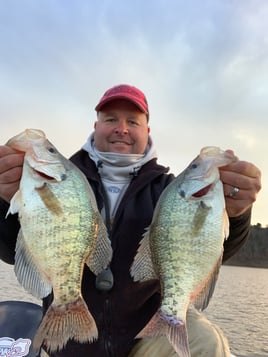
(171, 327)
(61, 323)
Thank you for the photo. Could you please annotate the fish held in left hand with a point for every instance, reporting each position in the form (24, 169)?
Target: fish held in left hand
(61, 231)
(183, 246)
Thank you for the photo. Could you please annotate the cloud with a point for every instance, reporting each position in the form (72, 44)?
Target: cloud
(203, 66)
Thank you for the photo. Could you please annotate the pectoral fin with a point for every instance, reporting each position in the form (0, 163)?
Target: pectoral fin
(15, 203)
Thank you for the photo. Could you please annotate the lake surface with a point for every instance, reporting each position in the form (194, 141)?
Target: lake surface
(239, 306)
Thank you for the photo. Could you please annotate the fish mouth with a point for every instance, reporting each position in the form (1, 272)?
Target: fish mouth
(202, 192)
(59, 178)
(45, 176)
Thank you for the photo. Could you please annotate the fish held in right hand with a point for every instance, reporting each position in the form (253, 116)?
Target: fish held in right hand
(183, 246)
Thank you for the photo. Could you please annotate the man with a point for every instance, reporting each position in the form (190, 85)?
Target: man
(119, 160)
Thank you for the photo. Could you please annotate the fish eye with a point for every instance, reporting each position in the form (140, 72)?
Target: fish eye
(194, 166)
(51, 149)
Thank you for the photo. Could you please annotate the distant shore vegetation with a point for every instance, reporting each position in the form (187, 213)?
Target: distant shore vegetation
(254, 253)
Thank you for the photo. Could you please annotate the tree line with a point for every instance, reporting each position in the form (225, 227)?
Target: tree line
(254, 253)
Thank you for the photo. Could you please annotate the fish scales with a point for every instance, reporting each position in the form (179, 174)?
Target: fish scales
(185, 246)
(185, 242)
(70, 237)
(61, 230)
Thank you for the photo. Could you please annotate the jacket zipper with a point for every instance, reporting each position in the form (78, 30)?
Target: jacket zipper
(108, 328)
(107, 338)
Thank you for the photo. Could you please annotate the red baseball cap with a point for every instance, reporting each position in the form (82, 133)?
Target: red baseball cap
(124, 91)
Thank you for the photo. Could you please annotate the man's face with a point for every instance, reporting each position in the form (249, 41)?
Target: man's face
(121, 128)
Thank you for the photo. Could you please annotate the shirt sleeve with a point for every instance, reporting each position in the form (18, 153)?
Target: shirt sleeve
(9, 228)
(239, 233)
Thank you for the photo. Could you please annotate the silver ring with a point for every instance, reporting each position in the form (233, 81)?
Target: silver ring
(234, 192)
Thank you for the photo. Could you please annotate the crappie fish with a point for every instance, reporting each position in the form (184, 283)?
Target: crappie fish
(61, 230)
(183, 246)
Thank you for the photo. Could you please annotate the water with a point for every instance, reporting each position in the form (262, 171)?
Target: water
(239, 306)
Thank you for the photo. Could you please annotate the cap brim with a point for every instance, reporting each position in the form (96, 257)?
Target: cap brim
(108, 100)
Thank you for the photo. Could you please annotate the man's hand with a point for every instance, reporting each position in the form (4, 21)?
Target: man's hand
(244, 176)
(11, 162)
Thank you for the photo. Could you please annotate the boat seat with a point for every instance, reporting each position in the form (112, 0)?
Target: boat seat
(18, 324)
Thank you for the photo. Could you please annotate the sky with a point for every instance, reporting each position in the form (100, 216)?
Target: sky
(203, 66)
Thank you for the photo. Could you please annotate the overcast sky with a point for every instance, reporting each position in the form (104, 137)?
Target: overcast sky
(203, 66)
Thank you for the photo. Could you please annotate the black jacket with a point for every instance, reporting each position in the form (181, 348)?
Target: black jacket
(123, 311)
